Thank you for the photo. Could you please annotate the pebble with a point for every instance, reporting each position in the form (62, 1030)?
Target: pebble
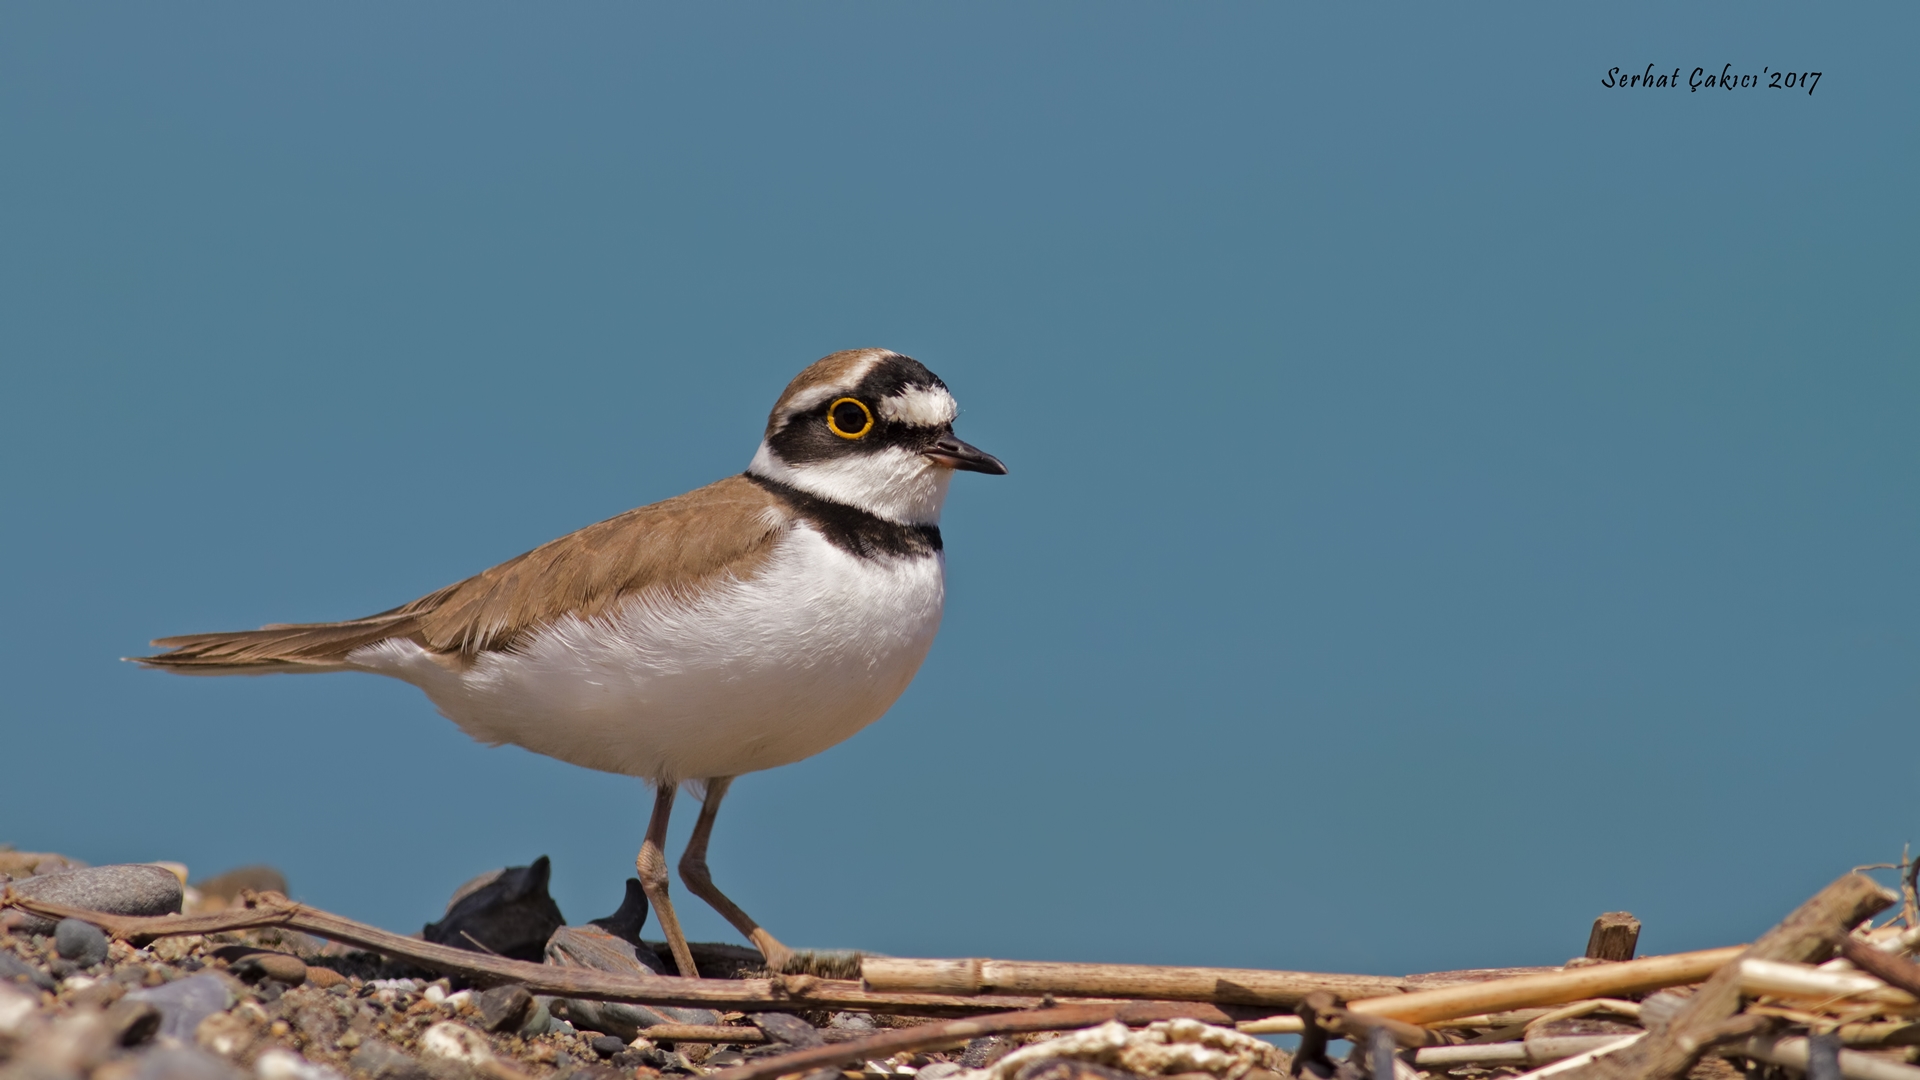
(81, 942)
(133, 1022)
(122, 889)
(280, 967)
(183, 1003)
(185, 1064)
(504, 1007)
(17, 1007)
(789, 1029)
(507, 912)
(941, 1070)
(608, 1045)
(279, 1064)
(986, 1050)
(15, 970)
(324, 978)
(382, 1061)
(456, 1042)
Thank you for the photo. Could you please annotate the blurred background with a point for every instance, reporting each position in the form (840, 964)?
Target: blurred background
(1450, 498)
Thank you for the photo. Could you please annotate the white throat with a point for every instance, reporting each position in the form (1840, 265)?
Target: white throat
(896, 484)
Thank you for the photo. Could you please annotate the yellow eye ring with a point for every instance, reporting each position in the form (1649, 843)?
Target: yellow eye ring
(833, 424)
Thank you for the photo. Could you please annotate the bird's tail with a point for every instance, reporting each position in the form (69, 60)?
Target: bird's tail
(282, 647)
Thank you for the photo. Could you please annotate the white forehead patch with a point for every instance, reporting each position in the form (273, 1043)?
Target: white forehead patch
(921, 406)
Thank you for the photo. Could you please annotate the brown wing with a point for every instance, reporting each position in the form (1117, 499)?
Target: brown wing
(677, 545)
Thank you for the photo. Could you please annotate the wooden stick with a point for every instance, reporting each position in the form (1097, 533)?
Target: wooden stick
(1888, 967)
(1614, 937)
(1554, 988)
(1226, 986)
(1779, 979)
(1792, 1053)
(1527, 1052)
(747, 995)
(704, 1033)
(1809, 934)
(951, 1033)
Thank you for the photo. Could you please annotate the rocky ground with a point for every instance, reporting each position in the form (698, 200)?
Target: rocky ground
(280, 1005)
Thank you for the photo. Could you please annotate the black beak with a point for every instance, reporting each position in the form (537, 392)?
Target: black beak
(949, 451)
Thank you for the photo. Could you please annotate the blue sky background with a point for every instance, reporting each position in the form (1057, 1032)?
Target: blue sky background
(1450, 498)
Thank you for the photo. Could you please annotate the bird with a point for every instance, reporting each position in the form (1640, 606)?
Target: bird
(742, 626)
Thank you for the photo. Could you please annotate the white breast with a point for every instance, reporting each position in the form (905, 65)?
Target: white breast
(750, 675)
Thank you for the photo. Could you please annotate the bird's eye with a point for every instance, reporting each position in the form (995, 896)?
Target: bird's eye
(850, 418)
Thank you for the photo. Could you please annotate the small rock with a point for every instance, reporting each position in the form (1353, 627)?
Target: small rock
(123, 889)
(324, 978)
(506, 912)
(17, 1008)
(941, 1070)
(853, 1021)
(224, 1034)
(279, 967)
(26, 864)
(15, 970)
(449, 1039)
(504, 1007)
(608, 1045)
(99, 995)
(185, 1064)
(986, 1050)
(132, 1022)
(81, 942)
(183, 1003)
(721, 1059)
(280, 1064)
(382, 1061)
(788, 1029)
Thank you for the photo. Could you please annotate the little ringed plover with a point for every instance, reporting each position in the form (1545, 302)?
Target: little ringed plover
(744, 625)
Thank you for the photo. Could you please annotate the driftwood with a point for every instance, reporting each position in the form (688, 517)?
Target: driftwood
(1792, 1053)
(747, 995)
(1809, 935)
(1224, 986)
(1615, 936)
(1526, 1052)
(1549, 988)
(952, 1033)
(1885, 966)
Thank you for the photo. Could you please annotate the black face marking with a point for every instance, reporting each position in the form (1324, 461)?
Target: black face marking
(852, 529)
(808, 436)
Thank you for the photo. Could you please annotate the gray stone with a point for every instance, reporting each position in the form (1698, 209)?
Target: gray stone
(608, 1045)
(123, 889)
(15, 970)
(383, 1062)
(185, 1064)
(506, 912)
(183, 1003)
(81, 942)
(788, 1029)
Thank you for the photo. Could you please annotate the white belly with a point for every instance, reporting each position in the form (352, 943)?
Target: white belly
(751, 675)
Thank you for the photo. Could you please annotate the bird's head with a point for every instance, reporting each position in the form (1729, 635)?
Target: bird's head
(869, 428)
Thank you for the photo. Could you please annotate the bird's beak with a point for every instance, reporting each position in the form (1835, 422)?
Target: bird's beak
(950, 452)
